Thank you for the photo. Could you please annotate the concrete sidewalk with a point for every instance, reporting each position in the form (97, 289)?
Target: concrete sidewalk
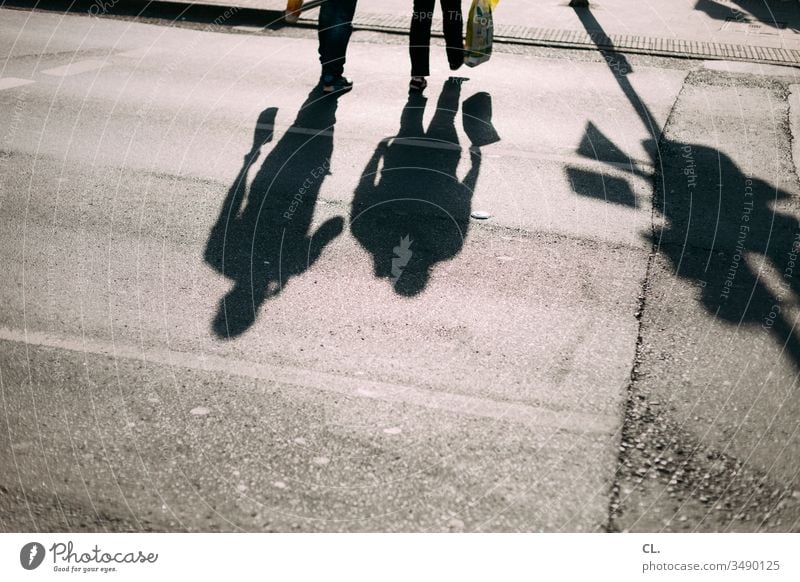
(751, 30)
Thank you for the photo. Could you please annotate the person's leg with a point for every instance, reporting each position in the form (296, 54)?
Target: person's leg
(335, 27)
(420, 38)
(453, 32)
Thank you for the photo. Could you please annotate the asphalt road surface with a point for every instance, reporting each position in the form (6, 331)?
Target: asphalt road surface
(230, 303)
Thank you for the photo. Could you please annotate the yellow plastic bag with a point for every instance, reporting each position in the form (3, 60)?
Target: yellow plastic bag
(480, 32)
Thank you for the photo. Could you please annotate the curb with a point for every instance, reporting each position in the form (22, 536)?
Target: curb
(252, 18)
(578, 39)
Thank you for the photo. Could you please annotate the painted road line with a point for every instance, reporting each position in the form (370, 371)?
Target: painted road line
(11, 82)
(562, 156)
(76, 68)
(524, 414)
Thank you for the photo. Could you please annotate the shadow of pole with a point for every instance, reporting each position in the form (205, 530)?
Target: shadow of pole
(619, 66)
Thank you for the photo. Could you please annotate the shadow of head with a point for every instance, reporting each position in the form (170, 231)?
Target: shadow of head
(476, 113)
(412, 280)
(265, 127)
(237, 311)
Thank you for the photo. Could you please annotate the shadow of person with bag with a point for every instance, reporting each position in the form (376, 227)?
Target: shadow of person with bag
(262, 237)
(410, 210)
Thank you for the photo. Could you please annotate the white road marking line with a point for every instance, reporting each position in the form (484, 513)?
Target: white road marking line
(295, 129)
(76, 68)
(11, 82)
(533, 416)
(562, 156)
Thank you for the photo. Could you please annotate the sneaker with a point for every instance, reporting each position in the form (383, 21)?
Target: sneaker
(331, 84)
(417, 84)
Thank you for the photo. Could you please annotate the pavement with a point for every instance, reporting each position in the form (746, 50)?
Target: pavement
(752, 30)
(742, 22)
(763, 31)
(233, 305)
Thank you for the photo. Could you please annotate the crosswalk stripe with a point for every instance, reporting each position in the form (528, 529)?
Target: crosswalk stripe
(75, 68)
(11, 82)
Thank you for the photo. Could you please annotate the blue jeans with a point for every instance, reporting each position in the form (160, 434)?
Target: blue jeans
(335, 27)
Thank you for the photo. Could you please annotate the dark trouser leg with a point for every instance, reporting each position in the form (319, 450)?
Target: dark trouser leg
(335, 27)
(453, 30)
(420, 38)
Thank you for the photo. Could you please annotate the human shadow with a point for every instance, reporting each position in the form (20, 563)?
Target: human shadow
(776, 15)
(410, 210)
(720, 230)
(262, 237)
